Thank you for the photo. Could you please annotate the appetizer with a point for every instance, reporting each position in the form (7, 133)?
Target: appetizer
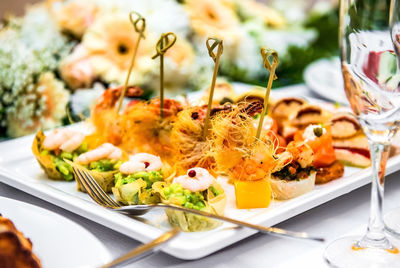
(143, 128)
(134, 181)
(270, 127)
(349, 142)
(190, 149)
(248, 162)
(309, 114)
(102, 163)
(51, 151)
(15, 248)
(251, 178)
(232, 134)
(198, 190)
(139, 128)
(281, 110)
(319, 138)
(285, 106)
(298, 176)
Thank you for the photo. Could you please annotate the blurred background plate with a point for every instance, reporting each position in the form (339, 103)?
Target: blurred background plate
(324, 77)
(57, 241)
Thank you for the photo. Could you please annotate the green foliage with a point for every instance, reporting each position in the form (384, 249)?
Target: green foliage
(325, 45)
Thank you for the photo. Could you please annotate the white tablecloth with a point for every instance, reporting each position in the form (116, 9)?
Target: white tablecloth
(347, 214)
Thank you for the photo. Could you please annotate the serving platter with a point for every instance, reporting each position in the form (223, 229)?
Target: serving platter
(18, 168)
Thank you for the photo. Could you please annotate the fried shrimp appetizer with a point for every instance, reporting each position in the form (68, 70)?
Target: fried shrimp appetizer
(139, 127)
(143, 129)
(105, 117)
(247, 161)
(232, 134)
(190, 149)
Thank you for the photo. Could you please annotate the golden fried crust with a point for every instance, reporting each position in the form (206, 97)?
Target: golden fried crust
(330, 173)
(15, 249)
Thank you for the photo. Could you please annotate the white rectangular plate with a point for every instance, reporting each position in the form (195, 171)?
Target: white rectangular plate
(19, 168)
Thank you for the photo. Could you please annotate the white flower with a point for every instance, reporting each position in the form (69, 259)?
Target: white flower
(30, 47)
(43, 108)
(179, 68)
(280, 39)
(161, 15)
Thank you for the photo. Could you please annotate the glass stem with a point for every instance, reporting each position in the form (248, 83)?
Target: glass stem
(375, 236)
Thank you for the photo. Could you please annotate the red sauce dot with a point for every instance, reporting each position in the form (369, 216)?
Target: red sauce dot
(146, 164)
(192, 173)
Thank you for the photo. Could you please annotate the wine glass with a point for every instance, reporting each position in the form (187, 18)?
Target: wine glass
(371, 78)
(392, 219)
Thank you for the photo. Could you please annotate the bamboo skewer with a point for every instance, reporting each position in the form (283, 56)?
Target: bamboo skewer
(216, 58)
(164, 43)
(139, 23)
(266, 53)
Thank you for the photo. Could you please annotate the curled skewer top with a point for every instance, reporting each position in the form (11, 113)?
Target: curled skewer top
(165, 42)
(138, 22)
(266, 54)
(216, 43)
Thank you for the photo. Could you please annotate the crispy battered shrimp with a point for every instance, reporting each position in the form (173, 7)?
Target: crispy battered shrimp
(196, 179)
(104, 151)
(141, 162)
(64, 139)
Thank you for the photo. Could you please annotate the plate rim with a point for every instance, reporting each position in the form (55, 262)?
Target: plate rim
(105, 253)
(311, 70)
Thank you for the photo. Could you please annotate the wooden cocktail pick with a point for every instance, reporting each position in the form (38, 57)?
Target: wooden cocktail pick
(266, 54)
(216, 57)
(165, 42)
(139, 23)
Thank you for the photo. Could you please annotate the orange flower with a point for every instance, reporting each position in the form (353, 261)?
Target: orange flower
(212, 18)
(74, 16)
(110, 43)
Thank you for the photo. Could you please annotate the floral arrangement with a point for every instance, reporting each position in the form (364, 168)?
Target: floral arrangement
(60, 46)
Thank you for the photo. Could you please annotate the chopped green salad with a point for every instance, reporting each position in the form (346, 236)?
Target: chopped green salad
(148, 177)
(175, 194)
(58, 160)
(136, 188)
(104, 165)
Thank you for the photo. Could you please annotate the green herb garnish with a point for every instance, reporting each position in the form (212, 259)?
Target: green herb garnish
(318, 131)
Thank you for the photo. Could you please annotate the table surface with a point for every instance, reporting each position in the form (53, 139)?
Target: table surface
(347, 214)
